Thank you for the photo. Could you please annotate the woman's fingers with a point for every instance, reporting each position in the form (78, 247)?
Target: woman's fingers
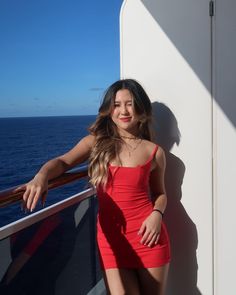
(157, 238)
(149, 238)
(43, 198)
(153, 240)
(25, 198)
(146, 237)
(19, 188)
(142, 229)
(150, 230)
(33, 199)
(32, 196)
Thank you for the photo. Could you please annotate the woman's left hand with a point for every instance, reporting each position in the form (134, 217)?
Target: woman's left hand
(150, 229)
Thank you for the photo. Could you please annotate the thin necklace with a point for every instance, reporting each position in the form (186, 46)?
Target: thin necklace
(128, 137)
(132, 149)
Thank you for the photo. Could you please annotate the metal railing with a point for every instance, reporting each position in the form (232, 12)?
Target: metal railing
(11, 196)
(56, 233)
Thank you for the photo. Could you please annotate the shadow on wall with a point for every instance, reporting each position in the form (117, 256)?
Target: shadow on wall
(183, 232)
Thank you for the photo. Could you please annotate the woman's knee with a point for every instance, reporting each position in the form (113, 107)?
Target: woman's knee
(121, 282)
(153, 280)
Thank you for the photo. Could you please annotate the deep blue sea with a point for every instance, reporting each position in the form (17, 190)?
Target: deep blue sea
(27, 143)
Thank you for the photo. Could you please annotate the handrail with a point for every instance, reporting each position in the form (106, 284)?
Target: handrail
(32, 218)
(12, 195)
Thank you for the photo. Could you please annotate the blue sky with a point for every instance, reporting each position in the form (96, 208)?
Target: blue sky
(57, 56)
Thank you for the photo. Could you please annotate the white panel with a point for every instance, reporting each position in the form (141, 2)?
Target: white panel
(225, 146)
(225, 169)
(166, 46)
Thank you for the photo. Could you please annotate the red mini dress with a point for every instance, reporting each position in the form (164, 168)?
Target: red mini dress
(123, 205)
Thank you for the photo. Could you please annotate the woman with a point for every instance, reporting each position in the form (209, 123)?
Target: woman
(127, 169)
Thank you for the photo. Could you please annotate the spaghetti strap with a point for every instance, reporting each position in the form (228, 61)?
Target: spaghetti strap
(153, 153)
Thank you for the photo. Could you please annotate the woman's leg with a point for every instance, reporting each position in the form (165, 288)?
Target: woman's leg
(121, 281)
(153, 280)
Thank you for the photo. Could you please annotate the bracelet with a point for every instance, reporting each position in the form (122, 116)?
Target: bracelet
(157, 210)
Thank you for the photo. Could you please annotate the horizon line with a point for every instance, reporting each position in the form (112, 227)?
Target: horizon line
(46, 116)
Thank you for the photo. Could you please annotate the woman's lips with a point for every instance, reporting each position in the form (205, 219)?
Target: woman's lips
(127, 119)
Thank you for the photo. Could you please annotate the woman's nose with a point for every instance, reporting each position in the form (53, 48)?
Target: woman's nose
(124, 109)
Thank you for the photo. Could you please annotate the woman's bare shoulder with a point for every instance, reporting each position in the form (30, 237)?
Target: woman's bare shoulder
(159, 156)
(149, 145)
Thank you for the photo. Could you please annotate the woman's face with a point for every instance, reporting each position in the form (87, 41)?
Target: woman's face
(123, 112)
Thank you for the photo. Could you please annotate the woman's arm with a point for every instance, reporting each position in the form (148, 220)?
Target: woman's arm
(38, 186)
(151, 226)
(157, 182)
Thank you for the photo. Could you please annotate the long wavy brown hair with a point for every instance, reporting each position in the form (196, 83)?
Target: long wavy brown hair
(108, 141)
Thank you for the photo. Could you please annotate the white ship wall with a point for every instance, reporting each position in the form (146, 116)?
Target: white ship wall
(225, 146)
(187, 68)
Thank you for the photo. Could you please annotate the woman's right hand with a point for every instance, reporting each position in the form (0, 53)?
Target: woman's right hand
(36, 188)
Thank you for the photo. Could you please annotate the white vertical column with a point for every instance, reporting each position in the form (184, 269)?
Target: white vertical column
(225, 146)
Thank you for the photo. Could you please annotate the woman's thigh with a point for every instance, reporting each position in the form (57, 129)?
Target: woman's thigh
(121, 281)
(153, 280)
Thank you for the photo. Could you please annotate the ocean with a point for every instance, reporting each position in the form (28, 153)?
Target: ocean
(27, 143)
